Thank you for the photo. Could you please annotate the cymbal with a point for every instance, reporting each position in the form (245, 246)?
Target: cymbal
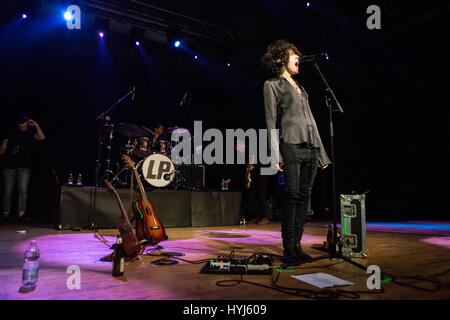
(129, 130)
(177, 130)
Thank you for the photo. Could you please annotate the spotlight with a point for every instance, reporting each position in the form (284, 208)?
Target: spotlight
(102, 26)
(196, 57)
(228, 64)
(177, 43)
(138, 35)
(68, 16)
(24, 16)
(308, 4)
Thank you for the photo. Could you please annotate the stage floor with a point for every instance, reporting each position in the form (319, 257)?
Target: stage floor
(415, 248)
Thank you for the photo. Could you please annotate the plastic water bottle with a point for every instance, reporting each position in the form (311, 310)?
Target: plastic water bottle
(70, 179)
(79, 180)
(31, 267)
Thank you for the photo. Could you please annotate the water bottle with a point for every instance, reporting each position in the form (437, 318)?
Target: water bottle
(70, 179)
(79, 180)
(31, 267)
(118, 258)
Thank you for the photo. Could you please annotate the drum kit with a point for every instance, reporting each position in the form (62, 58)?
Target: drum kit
(154, 161)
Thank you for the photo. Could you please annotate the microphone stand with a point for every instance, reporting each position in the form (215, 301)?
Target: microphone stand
(333, 252)
(101, 124)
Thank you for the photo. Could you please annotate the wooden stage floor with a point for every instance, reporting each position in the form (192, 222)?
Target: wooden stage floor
(397, 249)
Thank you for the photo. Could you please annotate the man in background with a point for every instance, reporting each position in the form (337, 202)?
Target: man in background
(16, 149)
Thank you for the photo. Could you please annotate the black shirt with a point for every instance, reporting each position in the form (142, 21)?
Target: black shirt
(19, 148)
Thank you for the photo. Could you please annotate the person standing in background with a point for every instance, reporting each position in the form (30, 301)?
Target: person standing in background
(17, 147)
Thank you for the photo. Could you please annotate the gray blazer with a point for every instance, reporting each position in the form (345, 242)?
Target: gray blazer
(291, 115)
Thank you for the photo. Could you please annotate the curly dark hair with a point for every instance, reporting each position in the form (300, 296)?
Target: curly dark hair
(277, 54)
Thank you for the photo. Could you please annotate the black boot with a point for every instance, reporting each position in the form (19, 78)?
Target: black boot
(298, 248)
(300, 253)
(289, 252)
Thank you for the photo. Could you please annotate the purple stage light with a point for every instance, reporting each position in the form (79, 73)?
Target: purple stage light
(228, 64)
(195, 57)
(101, 34)
(24, 16)
(137, 43)
(308, 4)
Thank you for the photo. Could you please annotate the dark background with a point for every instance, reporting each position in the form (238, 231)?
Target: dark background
(392, 139)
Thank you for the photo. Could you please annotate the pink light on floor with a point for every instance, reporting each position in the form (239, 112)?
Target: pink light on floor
(438, 241)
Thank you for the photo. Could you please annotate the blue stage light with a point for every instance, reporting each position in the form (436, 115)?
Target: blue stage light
(68, 16)
(177, 43)
(308, 4)
(138, 43)
(228, 64)
(196, 57)
(24, 16)
(101, 34)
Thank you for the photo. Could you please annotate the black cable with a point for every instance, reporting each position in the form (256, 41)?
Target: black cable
(419, 278)
(307, 293)
(165, 262)
(193, 262)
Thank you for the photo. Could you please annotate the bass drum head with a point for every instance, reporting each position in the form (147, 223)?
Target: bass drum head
(158, 170)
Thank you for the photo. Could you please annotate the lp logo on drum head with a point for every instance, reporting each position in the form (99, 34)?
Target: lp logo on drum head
(158, 170)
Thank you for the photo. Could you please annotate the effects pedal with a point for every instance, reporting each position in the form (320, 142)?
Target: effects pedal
(234, 264)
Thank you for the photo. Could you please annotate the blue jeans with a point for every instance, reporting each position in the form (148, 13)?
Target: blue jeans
(10, 177)
(300, 168)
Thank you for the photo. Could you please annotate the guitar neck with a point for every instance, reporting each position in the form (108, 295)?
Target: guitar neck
(119, 202)
(141, 187)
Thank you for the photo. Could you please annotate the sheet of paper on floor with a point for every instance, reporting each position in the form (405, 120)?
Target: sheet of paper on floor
(322, 280)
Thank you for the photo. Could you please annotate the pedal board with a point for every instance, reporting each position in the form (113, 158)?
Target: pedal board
(234, 264)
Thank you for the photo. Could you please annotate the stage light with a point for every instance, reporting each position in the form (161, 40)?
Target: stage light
(308, 4)
(102, 26)
(196, 57)
(228, 64)
(138, 43)
(177, 43)
(24, 16)
(68, 16)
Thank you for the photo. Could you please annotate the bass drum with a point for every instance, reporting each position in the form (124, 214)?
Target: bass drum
(158, 170)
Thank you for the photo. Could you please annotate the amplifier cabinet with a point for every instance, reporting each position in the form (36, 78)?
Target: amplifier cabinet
(353, 225)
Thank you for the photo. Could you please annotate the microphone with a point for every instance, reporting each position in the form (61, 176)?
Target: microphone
(314, 57)
(134, 91)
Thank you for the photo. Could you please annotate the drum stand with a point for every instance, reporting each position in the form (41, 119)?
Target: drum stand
(108, 148)
(101, 118)
(128, 173)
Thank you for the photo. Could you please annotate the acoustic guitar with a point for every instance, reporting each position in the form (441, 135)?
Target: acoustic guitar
(148, 226)
(131, 245)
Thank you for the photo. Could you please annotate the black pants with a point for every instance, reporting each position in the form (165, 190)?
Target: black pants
(300, 168)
